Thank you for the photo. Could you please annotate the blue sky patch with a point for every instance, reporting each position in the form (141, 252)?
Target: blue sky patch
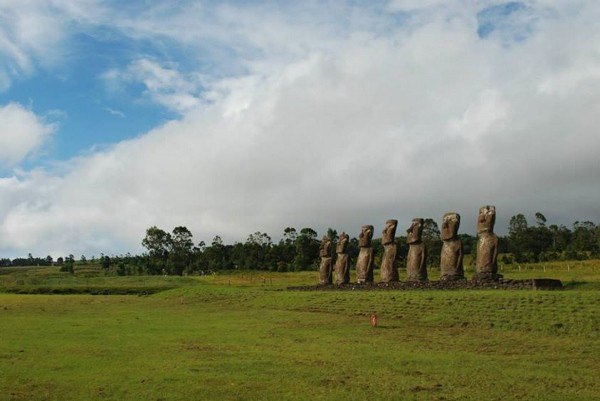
(511, 21)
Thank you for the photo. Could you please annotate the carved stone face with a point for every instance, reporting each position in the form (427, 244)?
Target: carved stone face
(486, 219)
(450, 224)
(325, 248)
(365, 236)
(342, 244)
(389, 232)
(415, 231)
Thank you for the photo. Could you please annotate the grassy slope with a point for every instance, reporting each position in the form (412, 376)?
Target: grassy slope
(242, 336)
(87, 279)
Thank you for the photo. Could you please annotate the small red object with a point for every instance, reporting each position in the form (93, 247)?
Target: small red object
(374, 319)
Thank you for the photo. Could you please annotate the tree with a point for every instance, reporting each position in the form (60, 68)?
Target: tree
(255, 252)
(289, 235)
(540, 219)
(260, 239)
(352, 249)
(158, 243)
(333, 234)
(537, 240)
(180, 249)
(469, 243)
(121, 269)
(216, 256)
(585, 237)
(307, 249)
(517, 224)
(105, 262)
(528, 243)
(561, 237)
(69, 265)
(181, 240)
(285, 252)
(432, 241)
(517, 231)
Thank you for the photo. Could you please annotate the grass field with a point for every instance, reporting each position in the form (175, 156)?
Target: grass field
(242, 336)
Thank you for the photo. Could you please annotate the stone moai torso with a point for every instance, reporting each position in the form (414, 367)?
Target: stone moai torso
(486, 262)
(451, 260)
(326, 261)
(416, 269)
(389, 268)
(342, 265)
(366, 260)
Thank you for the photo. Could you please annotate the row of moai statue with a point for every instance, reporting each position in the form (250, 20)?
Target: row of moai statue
(451, 260)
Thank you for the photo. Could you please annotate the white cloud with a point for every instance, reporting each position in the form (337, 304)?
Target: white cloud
(332, 124)
(27, 33)
(114, 112)
(415, 4)
(21, 132)
(481, 116)
(163, 85)
(33, 33)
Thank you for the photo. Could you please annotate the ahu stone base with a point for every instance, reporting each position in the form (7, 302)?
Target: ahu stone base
(500, 284)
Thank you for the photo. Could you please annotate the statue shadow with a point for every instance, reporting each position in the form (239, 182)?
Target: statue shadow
(387, 326)
(577, 285)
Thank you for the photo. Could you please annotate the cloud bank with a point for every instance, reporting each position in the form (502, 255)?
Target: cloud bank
(399, 111)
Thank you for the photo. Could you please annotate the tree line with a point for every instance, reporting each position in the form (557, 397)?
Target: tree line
(544, 242)
(175, 252)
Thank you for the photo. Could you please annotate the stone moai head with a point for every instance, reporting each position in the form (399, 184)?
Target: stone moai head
(486, 219)
(415, 231)
(450, 224)
(342, 244)
(388, 234)
(365, 236)
(325, 248)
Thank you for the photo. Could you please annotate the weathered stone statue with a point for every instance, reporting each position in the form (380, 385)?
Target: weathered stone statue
(451, 261)
(486, 263)
(342, 265)
(389, 268)
(326, 261)
(416, 269)
(366, 260)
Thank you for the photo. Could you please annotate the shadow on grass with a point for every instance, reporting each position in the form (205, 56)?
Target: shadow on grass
(387, 327)
(581, 285)
(85, 290)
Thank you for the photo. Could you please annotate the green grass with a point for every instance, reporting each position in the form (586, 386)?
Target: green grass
(86, 280)
(242, 336)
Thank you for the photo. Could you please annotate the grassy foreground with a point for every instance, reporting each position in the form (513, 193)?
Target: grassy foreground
(244, 337)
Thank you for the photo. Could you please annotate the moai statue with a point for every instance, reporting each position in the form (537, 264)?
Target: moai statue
(366, 258)
(342, 265)
(416, 268)
(486, 263)
(389, 268)
(326, 261)
(451, 261)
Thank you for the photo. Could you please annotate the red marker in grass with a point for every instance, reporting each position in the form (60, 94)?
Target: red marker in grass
(374, 319)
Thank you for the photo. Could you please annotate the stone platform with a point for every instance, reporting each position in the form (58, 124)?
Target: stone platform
(502, 284)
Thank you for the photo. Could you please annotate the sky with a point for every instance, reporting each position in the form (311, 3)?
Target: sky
(235, 117)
